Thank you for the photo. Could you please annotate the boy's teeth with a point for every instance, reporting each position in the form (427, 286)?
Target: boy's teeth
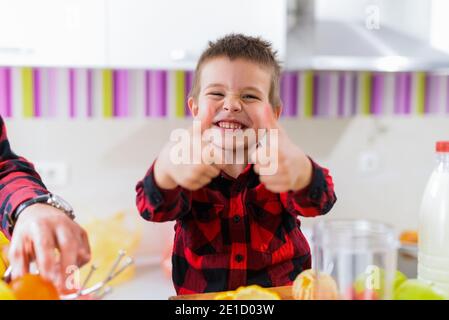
(229, 125)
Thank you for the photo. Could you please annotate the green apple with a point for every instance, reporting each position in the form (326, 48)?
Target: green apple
(371, 284)
(414, 289)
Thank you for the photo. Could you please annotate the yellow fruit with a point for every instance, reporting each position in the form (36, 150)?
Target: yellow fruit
(5, 292)
(3, 267)
(3, 239)
(309, 286)
(4, 243)
(255, 292)
(227, 295)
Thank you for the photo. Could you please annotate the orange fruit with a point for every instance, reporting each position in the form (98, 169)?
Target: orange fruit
(33, 287)
(409, 237)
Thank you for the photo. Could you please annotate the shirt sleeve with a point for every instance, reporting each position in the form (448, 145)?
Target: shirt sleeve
(316, 199)
(160, 205)
(19, 182)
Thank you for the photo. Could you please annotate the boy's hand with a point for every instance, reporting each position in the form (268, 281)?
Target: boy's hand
(294, 168)
(191, 176)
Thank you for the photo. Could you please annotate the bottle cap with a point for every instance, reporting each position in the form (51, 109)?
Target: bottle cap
(442, 146)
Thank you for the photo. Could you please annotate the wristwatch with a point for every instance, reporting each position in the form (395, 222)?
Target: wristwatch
(50, 199)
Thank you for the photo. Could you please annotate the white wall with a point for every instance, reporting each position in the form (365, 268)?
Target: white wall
(106, 158)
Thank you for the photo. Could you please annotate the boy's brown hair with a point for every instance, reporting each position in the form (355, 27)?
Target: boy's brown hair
(234, 46)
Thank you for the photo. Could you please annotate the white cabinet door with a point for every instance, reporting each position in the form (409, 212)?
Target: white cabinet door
(173, 33)
(52, 32)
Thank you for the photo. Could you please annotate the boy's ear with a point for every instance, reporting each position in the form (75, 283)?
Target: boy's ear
(277, 111)
(192, 106)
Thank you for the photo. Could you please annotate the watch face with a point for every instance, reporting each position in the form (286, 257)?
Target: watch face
(64, 204)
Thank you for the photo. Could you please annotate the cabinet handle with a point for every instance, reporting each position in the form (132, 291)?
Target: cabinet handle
(16, 51)
(178, 55)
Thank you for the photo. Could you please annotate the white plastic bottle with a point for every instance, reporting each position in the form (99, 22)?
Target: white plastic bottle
(433, 233)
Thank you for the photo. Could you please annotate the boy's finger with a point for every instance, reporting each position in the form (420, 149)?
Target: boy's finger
(212, 171)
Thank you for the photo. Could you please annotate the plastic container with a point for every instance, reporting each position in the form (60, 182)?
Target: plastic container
(433, 231)
(360, 255)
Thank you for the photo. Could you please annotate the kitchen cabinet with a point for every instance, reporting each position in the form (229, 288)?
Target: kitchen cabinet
(52, 33)
(171, 34)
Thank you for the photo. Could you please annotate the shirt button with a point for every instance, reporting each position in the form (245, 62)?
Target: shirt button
(239, 258)
(236, 219)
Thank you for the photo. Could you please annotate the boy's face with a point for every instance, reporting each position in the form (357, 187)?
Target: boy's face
(233, 91)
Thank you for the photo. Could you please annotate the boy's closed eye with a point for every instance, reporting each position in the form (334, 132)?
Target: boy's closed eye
(250, 97)
(216, 94)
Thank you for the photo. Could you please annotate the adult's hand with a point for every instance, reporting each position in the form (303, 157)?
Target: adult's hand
(40, 232)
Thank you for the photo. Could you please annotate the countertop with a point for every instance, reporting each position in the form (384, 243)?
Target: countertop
(149, 283)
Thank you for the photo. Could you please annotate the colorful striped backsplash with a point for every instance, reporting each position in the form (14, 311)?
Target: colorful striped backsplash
(89, 93)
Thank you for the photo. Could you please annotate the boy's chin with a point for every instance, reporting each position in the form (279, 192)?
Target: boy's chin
(230, 147)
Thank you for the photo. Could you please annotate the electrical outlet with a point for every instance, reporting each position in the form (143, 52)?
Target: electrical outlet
(54, 174)
(368, 162)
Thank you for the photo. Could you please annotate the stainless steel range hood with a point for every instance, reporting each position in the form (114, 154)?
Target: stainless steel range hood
(338, 45)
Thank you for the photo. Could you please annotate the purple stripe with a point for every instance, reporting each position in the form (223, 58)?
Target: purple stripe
(116, 94)
(124, 81)
(407, 93)
(52, 91)
(294, 94)
(377, 94)
(188, 87)
(436, 94)
(72, 93)
(299, 108)
(89, 91)
(156, 93)
(325, 91)
(316, 82)
(147, 92)
(399, 93)
(159, 107)
(341, 94)
(5, 92)
(37, 92)
(289, 85)
(427, 107)
(353, 94)
(120, 93)
(447, 94)
(8, 88)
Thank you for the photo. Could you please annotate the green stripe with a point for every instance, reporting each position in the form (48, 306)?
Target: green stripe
(308, 94)
(179, 94)
(366, 93)
(420, 91)
(107, 94)
(28, 95)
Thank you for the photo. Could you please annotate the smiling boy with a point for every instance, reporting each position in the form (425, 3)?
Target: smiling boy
(236, 225)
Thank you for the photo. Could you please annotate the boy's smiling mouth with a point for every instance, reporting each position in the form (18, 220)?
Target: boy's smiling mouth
(231, 124)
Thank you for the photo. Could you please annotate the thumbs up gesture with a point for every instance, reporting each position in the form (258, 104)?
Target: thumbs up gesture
(194, 172)
(282, 166)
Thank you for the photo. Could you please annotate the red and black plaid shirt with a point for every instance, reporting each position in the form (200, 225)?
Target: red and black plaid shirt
(19, 181)
(235, 232)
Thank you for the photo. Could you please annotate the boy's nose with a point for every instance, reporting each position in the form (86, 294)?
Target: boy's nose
(232, 106)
